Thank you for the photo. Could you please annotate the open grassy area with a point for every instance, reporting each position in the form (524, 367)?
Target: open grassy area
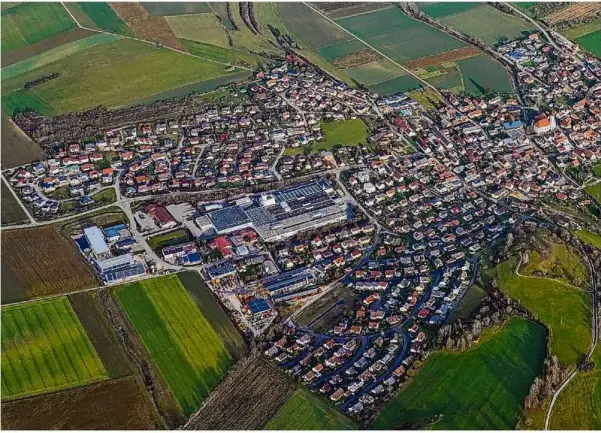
(578, 407)
(480, 389)
(176, 8)
(199, 27)
(582, 29)
(591, 42)
(399, 36)
(348, 132)
(488, 24)
(28, 23)
(170, 238)
(564, 309)
(45, 348)
(482, 74)
(443, 9)
(105, 18)
(185, 348)
(595, 191)
(305, 411)
(226, 55)
(375, 72)
(557, 262)
(404, 83)
(109, 74)
(589, 237)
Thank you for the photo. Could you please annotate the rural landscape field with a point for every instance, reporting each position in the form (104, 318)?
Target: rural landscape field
(277, 215)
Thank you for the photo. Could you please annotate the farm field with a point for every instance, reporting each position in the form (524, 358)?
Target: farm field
(346, 9)
(306, 411)
(104, 18)
(45, 348)
(442, 9)
(481, 388)
(46, 275)
(102, 75)
(199, 27)
(574, 11)
(235, 57)
(578, 407)
(591, 42)
(481, 73)
(488, 24)
(88, 309)
(214, 313)
(398, 36)
(376, 72)
(11, 211)
(29, 23)
(450, 79)
(186, 349)
(176, 8)
(581, 30)
(563, 308)
(589, 237)
(404, 83)
(42, 46)
(109, 405)
(252, 393)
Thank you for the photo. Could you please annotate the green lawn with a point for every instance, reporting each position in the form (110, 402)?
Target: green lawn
(559, 262)
(591, 42)
(170, 238)
(28, 23)
(45, 348)
(305, 411)
(109, 75)
(589, 237)
(480, 389)
(482, 73)
(597, 170)
(185, 348)
(595, 191)
(348, 132)
(578, 407)
(564, 309)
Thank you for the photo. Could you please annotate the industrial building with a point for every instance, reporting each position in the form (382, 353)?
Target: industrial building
(120, 268)
(95, 239)
(284, 213)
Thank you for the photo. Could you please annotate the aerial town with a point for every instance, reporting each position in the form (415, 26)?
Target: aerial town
(341, 265)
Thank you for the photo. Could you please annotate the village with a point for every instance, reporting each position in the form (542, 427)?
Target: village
(399, 220)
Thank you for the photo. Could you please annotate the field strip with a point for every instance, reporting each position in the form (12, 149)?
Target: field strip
(56, 54)
(162, 46)
(31, 219)
(376, 50)
(366, 12)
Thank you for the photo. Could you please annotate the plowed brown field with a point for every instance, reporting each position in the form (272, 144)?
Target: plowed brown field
(447, 56)
(574, 11)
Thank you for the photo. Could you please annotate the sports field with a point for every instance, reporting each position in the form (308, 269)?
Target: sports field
(398, 36)
(487, 24)
(186, 349)
(29, 23)
(305, 411)
(109, 74)
(45, 348)
(480, 389)
(564, 309)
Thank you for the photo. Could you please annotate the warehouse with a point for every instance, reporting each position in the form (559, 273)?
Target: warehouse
(96, 240)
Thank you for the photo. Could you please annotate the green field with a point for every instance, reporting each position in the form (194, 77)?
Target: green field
(591, 42)
(105, 18)
(305, 411)
(589, 237)
(597, 170)
(558, 262)
(109, 75)
(167, 239)
(56, 54)
(45, 348)
(404, 83)
(578, 407)
(595, 191)
(398, 36)
(375, 72)
(581, 30)
(487, 24)
(480, 389)
(451, 79)
(564, 309)
(185, 348)
(176, 8)
(348, 132)
(199, 27)
(332, 52)
(28, 23)
(443, 9)
(482, 73)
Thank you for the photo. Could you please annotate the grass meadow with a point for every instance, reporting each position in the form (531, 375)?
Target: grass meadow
(593, 239)
(481, 388)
